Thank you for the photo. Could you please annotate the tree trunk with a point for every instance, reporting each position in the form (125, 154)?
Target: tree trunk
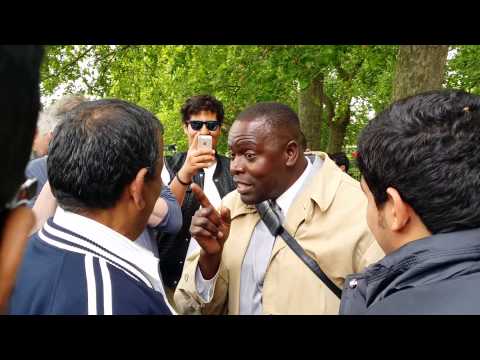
(419, 68)
(310, 108)
(338, 130)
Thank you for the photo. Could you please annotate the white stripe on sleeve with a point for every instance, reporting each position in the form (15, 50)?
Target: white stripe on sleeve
(107, 288)
(91, 285)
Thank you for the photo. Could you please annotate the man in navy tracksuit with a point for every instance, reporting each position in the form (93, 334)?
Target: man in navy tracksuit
(104, 166)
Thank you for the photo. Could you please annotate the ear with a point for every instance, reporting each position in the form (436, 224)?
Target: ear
(292, 151)
(398, 211)
(185, 128)
(136, 188)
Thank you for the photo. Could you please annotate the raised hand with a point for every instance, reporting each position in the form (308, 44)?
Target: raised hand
(196, 159)
(211, 230)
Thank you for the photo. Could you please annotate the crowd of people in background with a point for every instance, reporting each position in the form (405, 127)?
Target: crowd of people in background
(100, 221)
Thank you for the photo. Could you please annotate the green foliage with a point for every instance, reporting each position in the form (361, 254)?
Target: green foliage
(359, 82)
(161, 78)
(358, 78)
(463, 70)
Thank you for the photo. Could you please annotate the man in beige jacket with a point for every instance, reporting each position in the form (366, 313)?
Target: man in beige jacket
(241, 268)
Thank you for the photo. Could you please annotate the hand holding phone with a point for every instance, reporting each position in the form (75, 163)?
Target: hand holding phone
(204, 142)
(200, 155)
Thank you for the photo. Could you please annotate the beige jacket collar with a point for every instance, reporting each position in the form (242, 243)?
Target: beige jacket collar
(320, 188)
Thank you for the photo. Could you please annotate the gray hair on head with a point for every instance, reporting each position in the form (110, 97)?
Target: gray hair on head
(50, 117)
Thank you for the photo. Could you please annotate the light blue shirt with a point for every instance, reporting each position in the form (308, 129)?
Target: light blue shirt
(37, 168)
(171, 223)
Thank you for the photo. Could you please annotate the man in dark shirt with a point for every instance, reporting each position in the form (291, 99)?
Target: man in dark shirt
(200, 115)
(420, 169)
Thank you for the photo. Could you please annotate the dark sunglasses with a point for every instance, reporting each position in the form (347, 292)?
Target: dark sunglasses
(212, 125)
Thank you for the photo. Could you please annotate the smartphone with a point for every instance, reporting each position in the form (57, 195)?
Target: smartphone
(204, 142)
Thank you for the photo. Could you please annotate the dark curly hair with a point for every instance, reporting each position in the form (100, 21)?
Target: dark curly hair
(199, 103)
(427, 148)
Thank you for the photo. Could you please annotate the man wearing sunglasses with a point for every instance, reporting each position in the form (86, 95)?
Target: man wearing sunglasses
(201, 115)
(19, 107)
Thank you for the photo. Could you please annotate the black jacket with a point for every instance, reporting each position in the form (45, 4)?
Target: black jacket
(435, 275)
(173, 249)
